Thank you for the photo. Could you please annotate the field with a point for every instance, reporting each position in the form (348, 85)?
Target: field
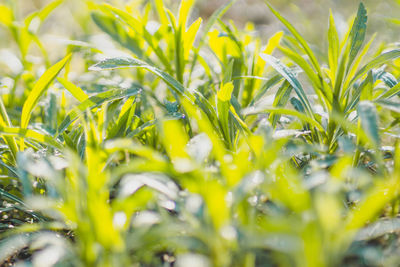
(199, 133)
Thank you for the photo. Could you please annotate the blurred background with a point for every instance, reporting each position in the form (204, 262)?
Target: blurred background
(72, 20)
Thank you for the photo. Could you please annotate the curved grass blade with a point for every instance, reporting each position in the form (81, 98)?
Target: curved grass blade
(39, 88)
(15, 199)
(5, 121)
(283, 111)
(117, 63)
(138, 27)
(352, 69)
(325, 97)
(376, 62)
(366, 84)
(281, 99)
(8, 167)
(93, 102)
(5, 194)
(387, 78)
(299, 38)
(291, 78)
(30, 134)
(390, 105)
(214, 18)
(269, 84)
(43, 13)
(117, 33)
(176, 87)
(210, 22)
(390, 93)
(76, 91)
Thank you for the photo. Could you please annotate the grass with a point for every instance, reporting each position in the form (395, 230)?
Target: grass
(202, 144)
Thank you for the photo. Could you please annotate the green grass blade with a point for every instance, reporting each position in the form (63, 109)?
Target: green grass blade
(390, 93)
(117, 33)
(268, 85)
(299, 38)
(333, 47)
(325, 97)
(291, 78)
(7, 16)
(282, 111)
(93, 102)
(5, 121)
(367, 83)
(43, 13)
(5, 194)
(388, 79)
(39, 89)
(210, 22)
(223, 104)
(30, 134)
(376, 62)
(357, 34)
(213, 19)
(159, 5)
(369, 121)
(76, 91)
(134, 24)
(281, 99)
(117, 63)
(174, 85)
(46, 11)
(353, 69)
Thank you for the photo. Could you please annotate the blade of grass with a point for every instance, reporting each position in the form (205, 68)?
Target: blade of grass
(376, 62)
(30, 134)
(367, 114)
(291, 78)
(93, 102)
(77, 92)
(357, 34)
(301, 116)
(390, 93)
(39, 89)
(5, 121)
(299, 38)
(333, 48)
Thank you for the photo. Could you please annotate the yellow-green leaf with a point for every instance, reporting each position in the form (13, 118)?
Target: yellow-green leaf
(273, 42)
(31, 134)
(225, 93)
(76, 91)
(6, 15)
(184, 11)
(190, 36)
(39, 88)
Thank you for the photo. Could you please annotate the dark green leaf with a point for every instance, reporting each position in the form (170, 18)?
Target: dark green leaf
(369, 121)
(357, 33)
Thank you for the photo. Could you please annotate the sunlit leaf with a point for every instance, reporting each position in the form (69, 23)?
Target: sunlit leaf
(39, 89)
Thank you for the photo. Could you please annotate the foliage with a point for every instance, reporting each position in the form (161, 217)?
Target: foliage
(200, 144)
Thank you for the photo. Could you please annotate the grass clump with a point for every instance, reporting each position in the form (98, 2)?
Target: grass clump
(200, 144)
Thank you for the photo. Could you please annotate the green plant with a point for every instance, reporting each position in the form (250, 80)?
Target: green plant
(175, 154)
